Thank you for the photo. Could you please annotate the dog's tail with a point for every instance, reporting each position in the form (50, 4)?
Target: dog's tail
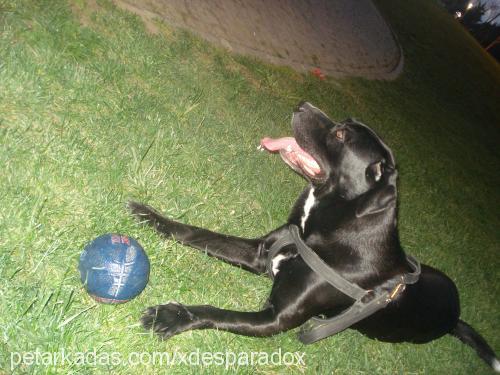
(469, 336)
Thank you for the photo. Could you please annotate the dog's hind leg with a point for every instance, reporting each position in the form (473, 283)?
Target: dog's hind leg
(245, 253)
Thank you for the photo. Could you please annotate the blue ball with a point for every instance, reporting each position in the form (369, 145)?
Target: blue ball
(114, 268)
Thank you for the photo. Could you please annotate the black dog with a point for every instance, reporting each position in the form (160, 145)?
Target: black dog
(348, 216)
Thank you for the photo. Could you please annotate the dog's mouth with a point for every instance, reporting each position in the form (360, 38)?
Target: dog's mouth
(294, 155)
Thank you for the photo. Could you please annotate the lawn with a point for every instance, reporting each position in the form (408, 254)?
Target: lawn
(94, 111)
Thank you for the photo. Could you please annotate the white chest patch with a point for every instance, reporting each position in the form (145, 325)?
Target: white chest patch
(310, 202)
(276, 263)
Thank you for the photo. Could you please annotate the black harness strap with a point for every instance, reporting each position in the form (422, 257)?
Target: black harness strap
(320, 267)
(319, 328)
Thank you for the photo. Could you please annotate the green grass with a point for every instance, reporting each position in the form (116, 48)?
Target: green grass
(91, 116)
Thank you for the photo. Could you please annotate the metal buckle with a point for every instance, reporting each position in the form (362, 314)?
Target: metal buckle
(398, 289)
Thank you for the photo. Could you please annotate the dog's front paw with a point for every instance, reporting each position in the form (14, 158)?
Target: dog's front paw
(148, 215)
(168, 320)
(141, 211)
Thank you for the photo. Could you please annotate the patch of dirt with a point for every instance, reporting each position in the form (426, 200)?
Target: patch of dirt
(150, 19)
(84, 10)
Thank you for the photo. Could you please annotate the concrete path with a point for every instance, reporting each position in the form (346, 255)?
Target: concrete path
(341, 37)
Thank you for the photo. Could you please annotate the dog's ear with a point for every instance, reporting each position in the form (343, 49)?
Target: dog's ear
(379, 199)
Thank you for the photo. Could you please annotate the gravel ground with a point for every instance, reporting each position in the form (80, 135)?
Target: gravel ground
(340, 37)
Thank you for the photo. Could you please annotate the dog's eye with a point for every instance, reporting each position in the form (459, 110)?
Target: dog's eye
(378, 169)
(340, 134)
(375, 170)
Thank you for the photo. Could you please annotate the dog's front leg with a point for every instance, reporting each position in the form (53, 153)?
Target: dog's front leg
(173, 318)
(296, 296)
(246, 253)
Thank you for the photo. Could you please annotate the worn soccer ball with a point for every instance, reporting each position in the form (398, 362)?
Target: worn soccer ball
(114, 268)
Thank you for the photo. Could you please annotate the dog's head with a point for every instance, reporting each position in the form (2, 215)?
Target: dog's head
(346, 159)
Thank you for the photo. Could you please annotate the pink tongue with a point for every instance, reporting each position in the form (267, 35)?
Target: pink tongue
(274, 145)
(291, 151)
